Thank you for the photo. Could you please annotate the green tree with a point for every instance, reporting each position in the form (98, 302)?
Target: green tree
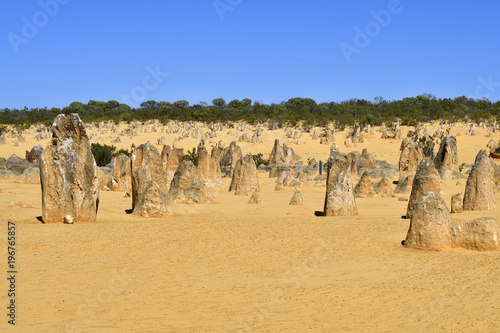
(182, 104)
(219, 102)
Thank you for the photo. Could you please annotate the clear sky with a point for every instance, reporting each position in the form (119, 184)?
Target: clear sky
(54, 52)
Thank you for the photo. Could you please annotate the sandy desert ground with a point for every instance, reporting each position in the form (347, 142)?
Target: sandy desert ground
(234, 267)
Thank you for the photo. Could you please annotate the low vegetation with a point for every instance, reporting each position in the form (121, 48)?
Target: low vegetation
(258, 159)
(102, 153)
(409, 111)
(192, 155)
(122, 151)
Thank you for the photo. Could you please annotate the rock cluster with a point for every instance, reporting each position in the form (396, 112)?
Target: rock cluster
(283, 154)
(208, 165)
(171, 158)
(230, 157)
(188, 187)
(433, 228)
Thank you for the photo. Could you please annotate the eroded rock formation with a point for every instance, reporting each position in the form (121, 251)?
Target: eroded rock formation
(245, 176)
(149, 183)
(339, 198)
(68, 173)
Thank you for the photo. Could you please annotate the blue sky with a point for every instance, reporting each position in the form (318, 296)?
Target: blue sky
(268, 51)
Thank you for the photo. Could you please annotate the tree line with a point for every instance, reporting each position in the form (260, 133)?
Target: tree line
(408, 111)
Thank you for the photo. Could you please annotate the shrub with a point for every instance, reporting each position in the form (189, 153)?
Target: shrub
(122, 151)
(102, 153)
(191, 155)
(259, 160)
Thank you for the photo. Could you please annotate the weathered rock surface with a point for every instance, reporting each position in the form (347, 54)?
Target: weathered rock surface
(122, 174)
(20, 204)
(208, 165)
(404, 142)
(216, 155)
(188, 187)
(431, 225)
(457, 203)
(69, 174)
(149, 183)
(397, 133)
(171, 158)
(409, 160)
(296, 199)
(231, 156)
(105, 175)
(357, 136)
(339, 198)
(283, 154)
(34, 154)
(17, 164)
(289, 155)
(245, 176)
(384, 170)
(277, 153)
(366, 161)
(446, 160)
(482, 234)
(426, 180)
(4, 172)
(384, 188)
(278, 168)
(31, 175)
(255, 199)
(364, 189)
(480, 188)
(432, 228)
(151, 201)
(404, 185)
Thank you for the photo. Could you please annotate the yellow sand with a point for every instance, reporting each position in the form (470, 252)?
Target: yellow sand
(234, 267)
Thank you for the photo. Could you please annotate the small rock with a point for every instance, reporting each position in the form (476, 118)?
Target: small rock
(20, 204)
(255, 198)
(457, 204)
(296, 199)
(68, 219)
